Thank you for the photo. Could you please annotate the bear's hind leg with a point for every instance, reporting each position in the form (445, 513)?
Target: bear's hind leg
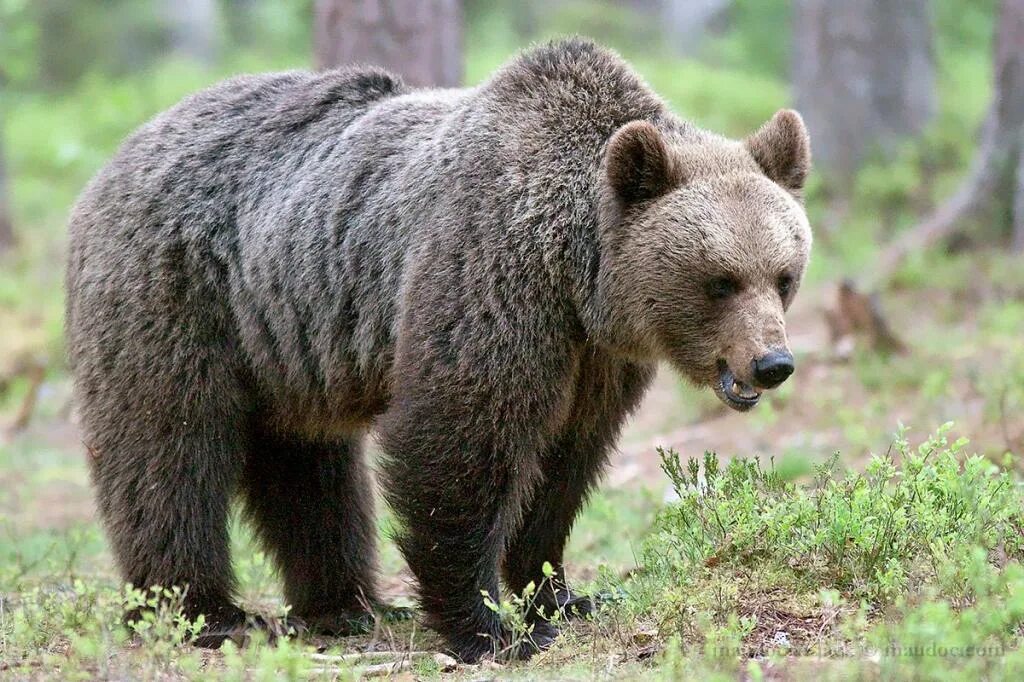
(164, 487)
(312, 505)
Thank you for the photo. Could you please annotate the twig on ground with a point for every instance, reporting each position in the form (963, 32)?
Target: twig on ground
(395, 662)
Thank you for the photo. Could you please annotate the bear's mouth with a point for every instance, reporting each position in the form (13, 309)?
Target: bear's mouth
(733, 392)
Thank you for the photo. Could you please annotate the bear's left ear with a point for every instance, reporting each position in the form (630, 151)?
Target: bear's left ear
(639, 164)
(782, 148)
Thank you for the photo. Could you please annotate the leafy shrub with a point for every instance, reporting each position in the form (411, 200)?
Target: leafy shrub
(933, 639)
(743, 544)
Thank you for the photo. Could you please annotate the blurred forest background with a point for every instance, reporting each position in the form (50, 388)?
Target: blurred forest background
(912, 311)
(915, 110)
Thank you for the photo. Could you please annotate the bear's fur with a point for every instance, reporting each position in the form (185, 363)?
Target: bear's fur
(485, 277)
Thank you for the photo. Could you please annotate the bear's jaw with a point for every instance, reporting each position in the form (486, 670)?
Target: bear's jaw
(733, 392)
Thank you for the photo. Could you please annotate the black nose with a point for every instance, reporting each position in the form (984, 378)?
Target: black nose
(772, 369)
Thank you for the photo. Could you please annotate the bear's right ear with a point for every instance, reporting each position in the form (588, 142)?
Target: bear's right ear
(639, 164)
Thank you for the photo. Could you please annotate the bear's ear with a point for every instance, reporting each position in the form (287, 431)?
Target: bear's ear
(639, 164)
(782, 148)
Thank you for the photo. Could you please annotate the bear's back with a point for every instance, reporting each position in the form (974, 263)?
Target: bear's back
(222, 141)
(187, 175)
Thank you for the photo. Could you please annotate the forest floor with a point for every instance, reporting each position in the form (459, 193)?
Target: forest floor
(58, 589)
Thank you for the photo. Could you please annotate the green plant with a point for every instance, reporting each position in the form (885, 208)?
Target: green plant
(520, 613)
(744, 551)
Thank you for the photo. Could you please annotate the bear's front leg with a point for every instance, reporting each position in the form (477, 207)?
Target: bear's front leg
(607, 390)
(461, 463)
(455, 495)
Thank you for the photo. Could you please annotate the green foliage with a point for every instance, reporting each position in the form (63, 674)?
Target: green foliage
(75, 630)
(269, 31)
(77, 626)
(1003, 385)
(611, 23)
(730, 101)
(50, 45)
(518, 613)
(925, 522)
(20, 37)
(934, 639)
(160, 624)
(258, 579)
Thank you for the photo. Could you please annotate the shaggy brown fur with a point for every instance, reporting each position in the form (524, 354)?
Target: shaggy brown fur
(484, 276)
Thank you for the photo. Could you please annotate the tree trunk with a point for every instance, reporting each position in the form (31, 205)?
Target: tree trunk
(421, 40)
(999, 162)
(1017, 241)
(6, 224)
(193, 26)
(863, 75)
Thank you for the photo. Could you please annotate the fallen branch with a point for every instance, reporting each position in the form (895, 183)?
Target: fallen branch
(399, 661)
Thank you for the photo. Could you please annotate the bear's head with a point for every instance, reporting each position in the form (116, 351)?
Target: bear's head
(704, 242)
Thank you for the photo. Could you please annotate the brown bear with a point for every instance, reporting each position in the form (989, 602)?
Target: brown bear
(483, 277)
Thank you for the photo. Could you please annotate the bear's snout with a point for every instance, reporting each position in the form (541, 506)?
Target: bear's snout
(772, 369)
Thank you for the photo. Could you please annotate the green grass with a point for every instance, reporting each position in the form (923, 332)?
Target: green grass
(911, 567)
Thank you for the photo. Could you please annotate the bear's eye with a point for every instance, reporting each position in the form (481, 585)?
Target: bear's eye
(785, 285)
(721, 288)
